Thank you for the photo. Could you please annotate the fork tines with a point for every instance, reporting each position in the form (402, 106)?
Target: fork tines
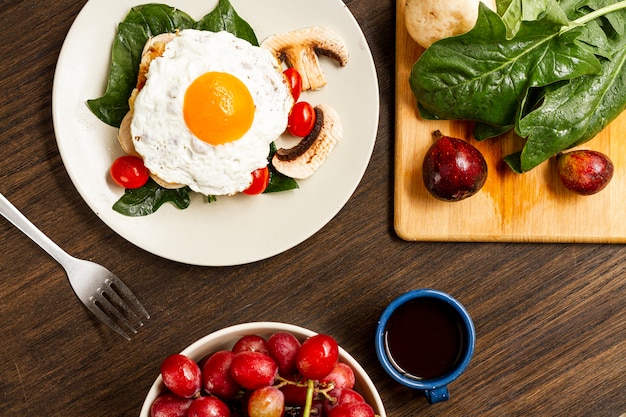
(111, 305)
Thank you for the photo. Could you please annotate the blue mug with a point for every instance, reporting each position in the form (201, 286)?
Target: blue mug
(425, 340)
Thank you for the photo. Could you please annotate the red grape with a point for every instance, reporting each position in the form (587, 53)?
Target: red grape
(170, 405)
(342, 396)
(295, 395)
(352, 410)
(253, 370)
(208, 407)
(283, 347)
(216, 377)
(342, 376)
(317, 356)
(267, 401)
(181, 375)
(252, 343)
(348, 395)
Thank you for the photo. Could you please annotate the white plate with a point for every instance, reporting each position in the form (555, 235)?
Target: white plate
(234, 230)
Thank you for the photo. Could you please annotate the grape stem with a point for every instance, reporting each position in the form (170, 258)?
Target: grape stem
(326, 392)
(310, 387)
(281, 382)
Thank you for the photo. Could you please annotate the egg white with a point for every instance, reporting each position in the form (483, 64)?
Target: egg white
(160, 135)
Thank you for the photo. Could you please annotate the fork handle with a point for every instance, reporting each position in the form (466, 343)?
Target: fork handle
(20, 221)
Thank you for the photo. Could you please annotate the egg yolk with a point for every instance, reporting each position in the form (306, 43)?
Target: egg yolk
(218, 108)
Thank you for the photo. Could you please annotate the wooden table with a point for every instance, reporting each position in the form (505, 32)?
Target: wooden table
(550, 318)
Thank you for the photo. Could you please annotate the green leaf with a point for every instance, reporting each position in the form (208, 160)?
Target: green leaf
(616, 19)
(514, 162)
(593, 34)
(511, 13)
(574, 113)
(147, 199)
(482, 76)
(140, 24)
(514, 12)
(484, 131)
(280, 182)
(113, 105)
(224, 17)
(159, 18)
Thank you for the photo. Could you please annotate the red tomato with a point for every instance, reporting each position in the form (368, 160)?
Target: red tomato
(129, 172)
(260, 179)
(301, 119)
(295, 82)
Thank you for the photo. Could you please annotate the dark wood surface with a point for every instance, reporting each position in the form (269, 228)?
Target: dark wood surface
(550, 318)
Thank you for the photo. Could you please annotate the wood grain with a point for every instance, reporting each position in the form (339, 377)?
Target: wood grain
(550, 318)
(531, 207)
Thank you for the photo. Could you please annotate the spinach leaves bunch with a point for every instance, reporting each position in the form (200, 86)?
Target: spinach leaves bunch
(553, 71)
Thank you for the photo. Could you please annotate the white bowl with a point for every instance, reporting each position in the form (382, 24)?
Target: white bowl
(226, 338)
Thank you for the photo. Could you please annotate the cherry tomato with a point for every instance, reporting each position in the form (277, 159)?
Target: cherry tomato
(260, 179)
(129, 172)
(295, 82)
(301, 119)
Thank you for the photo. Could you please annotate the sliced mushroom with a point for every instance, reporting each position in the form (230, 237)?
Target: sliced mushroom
(165, 184)
(306, 157)
(124, 137)
(300, 48)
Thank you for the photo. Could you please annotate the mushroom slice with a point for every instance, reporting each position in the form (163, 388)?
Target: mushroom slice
(306, 157)
(300, 48)
(124, 137)
(165, 184)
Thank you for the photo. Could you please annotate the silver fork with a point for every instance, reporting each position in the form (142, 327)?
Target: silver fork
(104, 294)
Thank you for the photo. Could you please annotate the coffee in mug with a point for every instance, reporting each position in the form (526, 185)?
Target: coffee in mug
(425, 340)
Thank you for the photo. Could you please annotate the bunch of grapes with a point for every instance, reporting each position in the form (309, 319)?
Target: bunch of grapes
(258, 377)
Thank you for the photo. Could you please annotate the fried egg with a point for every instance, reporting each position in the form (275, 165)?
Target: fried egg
(211, 105)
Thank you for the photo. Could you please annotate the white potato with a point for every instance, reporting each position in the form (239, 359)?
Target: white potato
(428, 21)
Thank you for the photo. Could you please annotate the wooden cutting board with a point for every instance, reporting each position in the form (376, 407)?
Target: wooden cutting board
(529, 207)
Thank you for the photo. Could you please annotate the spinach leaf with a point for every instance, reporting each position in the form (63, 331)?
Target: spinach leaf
(575, 112)
(595, 34)
(147, 199)
(159, 18)
(514, 12)
(484, 131)
(141, 23)
(280, 182)
(224, 17)
(483, 76)
(113, 105)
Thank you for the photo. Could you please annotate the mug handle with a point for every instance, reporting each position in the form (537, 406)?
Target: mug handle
(437, 395)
